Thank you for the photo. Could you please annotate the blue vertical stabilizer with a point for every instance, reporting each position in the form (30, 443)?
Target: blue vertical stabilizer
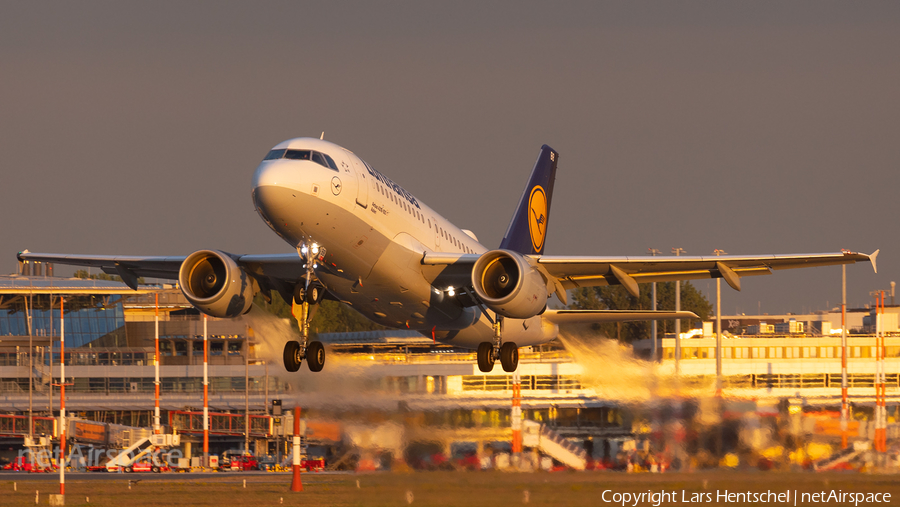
(528, 228)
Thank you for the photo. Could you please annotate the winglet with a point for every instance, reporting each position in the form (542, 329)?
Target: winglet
(872, 257)
(528, 228)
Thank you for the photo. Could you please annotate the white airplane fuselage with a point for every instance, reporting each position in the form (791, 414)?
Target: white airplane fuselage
(375, 235)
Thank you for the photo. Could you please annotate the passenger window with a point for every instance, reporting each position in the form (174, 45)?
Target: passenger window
(274, 154)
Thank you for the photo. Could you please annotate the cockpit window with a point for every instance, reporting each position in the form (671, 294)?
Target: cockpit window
(319, 158)
(275, 154)
(331, 163)
(298, 154)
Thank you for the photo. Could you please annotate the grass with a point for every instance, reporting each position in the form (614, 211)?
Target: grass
(470, 489)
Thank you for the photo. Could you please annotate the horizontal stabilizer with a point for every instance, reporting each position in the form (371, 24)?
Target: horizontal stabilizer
(600, 316)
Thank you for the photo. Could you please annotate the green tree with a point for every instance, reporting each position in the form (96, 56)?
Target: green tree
(615, 297)
(330, 317)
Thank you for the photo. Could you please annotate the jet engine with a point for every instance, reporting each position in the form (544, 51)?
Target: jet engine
(214, 283)
(509, 285)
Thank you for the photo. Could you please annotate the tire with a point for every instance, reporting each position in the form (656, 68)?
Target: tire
(485, 357)
(292, 359)
(299, 293)
(129, 470)
(315, 293)
(315, 356)
(155, 469)
(509, 357)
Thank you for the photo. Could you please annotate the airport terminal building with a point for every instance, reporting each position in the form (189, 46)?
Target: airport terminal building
(391, 390)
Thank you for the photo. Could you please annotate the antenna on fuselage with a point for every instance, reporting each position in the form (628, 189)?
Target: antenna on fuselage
(322, 136)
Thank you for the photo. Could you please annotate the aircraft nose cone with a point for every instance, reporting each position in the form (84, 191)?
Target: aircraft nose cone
(271, 189)
(271, 173)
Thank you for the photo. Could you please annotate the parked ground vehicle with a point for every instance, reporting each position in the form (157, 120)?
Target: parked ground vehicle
(235, 460)
(22, 464)
(140, 466)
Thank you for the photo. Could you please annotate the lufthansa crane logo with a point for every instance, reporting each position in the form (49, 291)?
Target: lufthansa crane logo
(336, 185)
(537, 219)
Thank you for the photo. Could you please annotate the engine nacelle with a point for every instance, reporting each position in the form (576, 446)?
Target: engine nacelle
(214, 283)
(509, 285)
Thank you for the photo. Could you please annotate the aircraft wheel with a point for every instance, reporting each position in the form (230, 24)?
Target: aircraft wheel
(292, 356)
(485, 357)
(315, 294)
(299, 293)
(509, 356)
(315, 356)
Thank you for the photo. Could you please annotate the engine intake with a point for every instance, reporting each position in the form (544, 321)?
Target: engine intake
(214, 283)
(509, 285)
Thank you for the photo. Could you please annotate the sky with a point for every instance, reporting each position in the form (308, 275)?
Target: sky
(134, 128)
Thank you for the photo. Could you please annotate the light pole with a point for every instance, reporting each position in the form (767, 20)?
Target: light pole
(719, 328)
(156, 424)
(653, 352)
(845, 408)
(678, 252)
(28, 309)
(205, 393)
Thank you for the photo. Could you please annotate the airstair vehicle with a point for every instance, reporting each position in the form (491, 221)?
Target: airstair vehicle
(552, 444)
(141, 448)
(842, 458)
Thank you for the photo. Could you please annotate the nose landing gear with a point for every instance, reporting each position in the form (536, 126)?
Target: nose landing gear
(307, 295)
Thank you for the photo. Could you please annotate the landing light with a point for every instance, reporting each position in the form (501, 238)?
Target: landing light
(303, 249)
(451, 292)
(315, 248)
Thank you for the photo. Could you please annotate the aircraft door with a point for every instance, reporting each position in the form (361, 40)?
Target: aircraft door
(363, 178)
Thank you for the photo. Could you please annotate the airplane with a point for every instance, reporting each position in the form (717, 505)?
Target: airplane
(364, 240)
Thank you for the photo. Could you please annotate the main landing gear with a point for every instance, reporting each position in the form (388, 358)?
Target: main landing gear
(488, 353)
(307, 296)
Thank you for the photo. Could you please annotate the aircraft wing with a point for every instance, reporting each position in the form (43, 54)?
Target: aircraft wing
(566, 273)
(279, 271)
(572, 272)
